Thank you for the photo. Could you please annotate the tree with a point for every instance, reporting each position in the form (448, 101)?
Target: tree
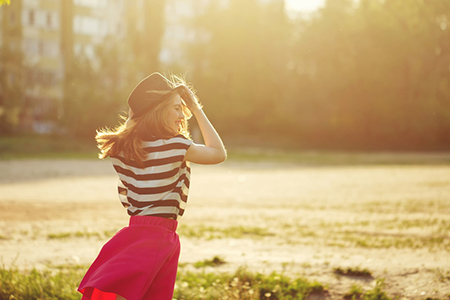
(12, 107)
(96, 91)
(2, 2)
(239, 62)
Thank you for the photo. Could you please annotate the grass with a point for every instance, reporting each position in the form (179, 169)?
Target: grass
(341, 234)
(324, 157)
(46, 147)
(352, 272)
(386, 240)
(214, 262)
(64, 147)
(34, 284)
(243, 285)
(377, 293)
(79, 234)
(61, 283)
(210, 232)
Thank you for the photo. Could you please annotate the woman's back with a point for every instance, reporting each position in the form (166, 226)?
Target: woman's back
(159, 185)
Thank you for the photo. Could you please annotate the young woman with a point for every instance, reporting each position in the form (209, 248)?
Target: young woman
(151, 154)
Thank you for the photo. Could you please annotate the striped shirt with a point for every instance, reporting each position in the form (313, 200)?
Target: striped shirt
(160, 185)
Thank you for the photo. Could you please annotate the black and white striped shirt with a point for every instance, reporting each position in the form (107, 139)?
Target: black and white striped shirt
(160, 185)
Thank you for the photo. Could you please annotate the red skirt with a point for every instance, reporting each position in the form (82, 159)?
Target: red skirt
(138, 262)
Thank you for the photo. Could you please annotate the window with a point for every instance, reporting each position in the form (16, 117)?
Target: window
(89, 25)
(12, 17)
(49, 19)
(31, 17)
(40, 48)
(40, 19)
(31, 47)
(92, 3)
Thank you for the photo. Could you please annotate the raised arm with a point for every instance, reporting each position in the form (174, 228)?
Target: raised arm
(213, 152)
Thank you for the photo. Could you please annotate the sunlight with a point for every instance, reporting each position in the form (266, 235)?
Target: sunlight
(304, 5)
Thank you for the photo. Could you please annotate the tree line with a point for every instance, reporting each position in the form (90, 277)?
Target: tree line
(370, 74)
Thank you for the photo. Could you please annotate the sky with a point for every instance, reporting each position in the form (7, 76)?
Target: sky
(304, 5)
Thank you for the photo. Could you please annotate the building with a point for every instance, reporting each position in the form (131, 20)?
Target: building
(39, 40)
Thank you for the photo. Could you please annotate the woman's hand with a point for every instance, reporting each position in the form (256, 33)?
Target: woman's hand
(191, 100)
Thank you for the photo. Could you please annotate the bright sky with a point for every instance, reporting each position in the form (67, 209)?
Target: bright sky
(304, 5)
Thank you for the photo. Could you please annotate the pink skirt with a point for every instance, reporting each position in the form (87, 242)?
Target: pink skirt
(138, 262)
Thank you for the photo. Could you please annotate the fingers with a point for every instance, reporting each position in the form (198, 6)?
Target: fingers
(190, 99)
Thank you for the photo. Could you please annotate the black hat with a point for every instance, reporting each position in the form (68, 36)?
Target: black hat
(145, 95)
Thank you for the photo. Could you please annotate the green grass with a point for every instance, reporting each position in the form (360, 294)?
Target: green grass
(46, 147)
(377, 293)
(322, 157)
(340, 234)
(243, 285)
(48, 284)
(78, 234)
(61, 283)
(214, 262)
(64, 147)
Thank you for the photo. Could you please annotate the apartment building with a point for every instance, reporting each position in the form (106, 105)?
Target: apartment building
(39, 40)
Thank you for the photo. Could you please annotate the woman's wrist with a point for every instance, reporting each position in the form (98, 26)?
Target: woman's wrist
(196, 110)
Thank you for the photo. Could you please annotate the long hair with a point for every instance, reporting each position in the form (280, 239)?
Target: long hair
(126, 139)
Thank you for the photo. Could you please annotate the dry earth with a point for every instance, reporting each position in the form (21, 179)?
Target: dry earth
(304, 221)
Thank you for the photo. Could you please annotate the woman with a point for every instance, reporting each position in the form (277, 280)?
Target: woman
(151, 154)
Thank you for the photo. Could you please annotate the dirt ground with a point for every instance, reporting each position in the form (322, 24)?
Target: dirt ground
(392, 220)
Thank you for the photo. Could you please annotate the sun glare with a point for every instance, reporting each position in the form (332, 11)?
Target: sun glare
(304, 5)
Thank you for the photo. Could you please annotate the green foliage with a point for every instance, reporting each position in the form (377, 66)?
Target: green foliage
(95, 94)
(12, 101)
(8, 2)
(356, 74)
(240, 69)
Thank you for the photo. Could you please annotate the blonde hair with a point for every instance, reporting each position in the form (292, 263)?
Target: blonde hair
(126, 139)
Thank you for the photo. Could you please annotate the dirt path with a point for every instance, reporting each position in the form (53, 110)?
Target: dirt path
(308, 221)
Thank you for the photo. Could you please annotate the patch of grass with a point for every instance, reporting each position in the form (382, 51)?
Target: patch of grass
(209, 232)
(61, 282)
(442, 275)
(355, 293)
(377, 292)
(438, 225)
(352, 272)
(264, 154)
(243, 285)
(78, 234)
(34, 284)
(408, 206)
(214, 262)
(388, 240)
(46, 147)
(57, 236)
(36, 146)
